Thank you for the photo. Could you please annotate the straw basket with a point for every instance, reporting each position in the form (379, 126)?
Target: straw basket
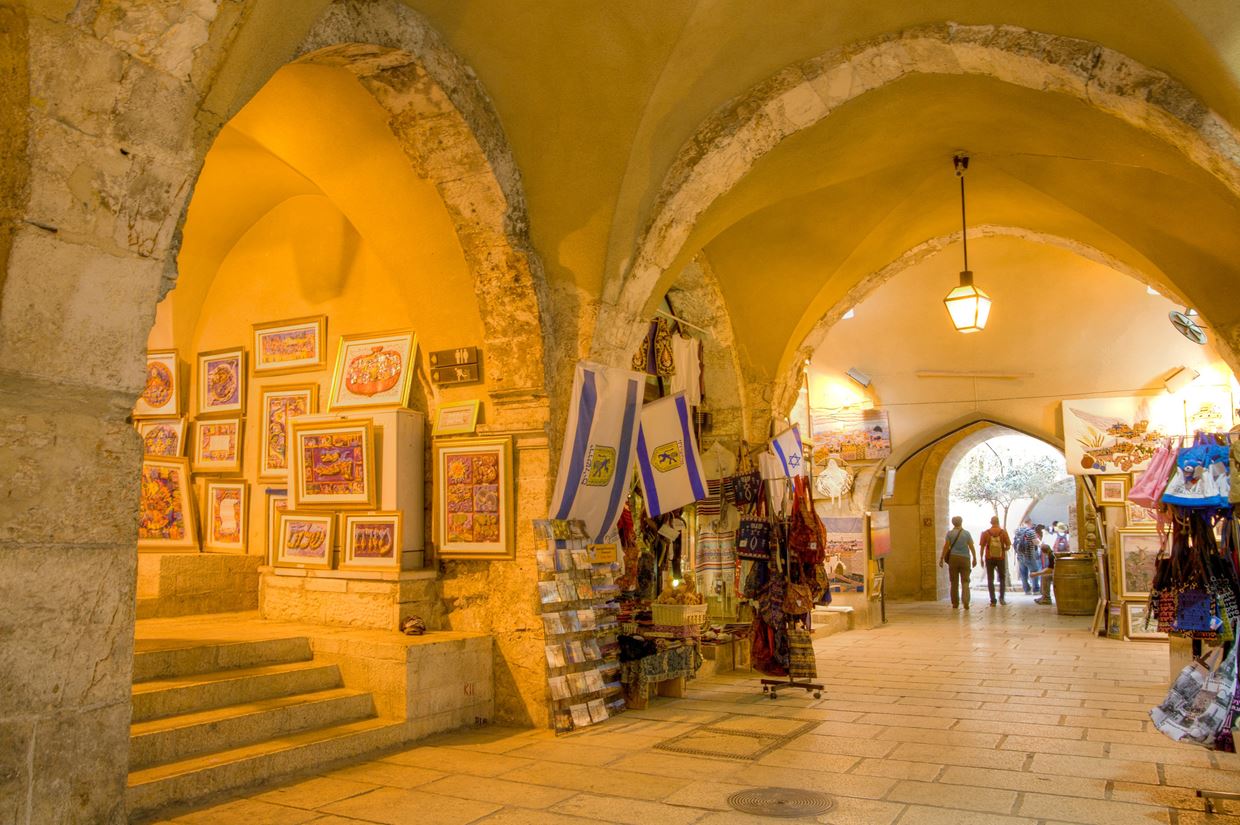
(678, 615)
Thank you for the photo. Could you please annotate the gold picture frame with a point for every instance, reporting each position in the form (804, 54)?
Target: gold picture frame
(218, 445)
(161, 395)
(290, 345)
(221, 379)
(277, 502)
(162, 437)
(226, 515)
(277, 406)
(166, 506)
(332, 464)
(460, 418)
(373, 370)
(1135, 614)
(1137, 552)
(474, 499)
(1113, 489)
(1137, 516)
(371, 541)
(305, 540)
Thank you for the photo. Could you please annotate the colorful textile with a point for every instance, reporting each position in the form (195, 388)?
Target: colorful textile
(670, 467)
(672, 663)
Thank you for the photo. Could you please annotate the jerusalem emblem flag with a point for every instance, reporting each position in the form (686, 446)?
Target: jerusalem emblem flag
(596, 464)
(667, 456)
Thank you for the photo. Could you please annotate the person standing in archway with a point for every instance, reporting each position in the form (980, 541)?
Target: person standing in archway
(958, 550)
(995, 544)
(1027, 557)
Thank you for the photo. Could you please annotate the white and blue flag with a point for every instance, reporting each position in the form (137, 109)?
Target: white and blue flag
(667, 456)
(787, 446)
(599, 442)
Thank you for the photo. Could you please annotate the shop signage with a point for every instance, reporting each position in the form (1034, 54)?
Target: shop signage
(460, 365)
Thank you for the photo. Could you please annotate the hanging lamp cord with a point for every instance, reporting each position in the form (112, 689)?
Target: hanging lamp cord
(964, 227)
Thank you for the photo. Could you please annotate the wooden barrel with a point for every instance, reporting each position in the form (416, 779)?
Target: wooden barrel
(1076, 586)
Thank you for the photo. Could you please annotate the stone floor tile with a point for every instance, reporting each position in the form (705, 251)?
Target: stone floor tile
(1116, 769)
(247, 812)
(313, 793)
(842, 745)
(1091, 811)
(1045, 744)
(683, 766)
(516, 816)
(831, 762)
(958, 797)
(1019, 729)
(499, 791)
(894, 719)
(839, 784)
(1193, 757)
(850, 811)
(1182, 776)
(456, 760)
(860, 731)
(628, 811)
(398, 806)
(921, 815)
(387, 774)
(958, 738)
(1164, 795)
(1025, 781)
(1203, 818)
(1102, 722)
(576, 753)
(965, 757)
(899, 769)
(596, 780)
(706, 795)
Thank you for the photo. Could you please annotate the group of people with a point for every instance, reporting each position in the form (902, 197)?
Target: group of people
(1036, 547)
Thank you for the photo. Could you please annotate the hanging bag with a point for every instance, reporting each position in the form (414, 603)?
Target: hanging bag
(1200, 700)
(747, 485)
(801, 664)
(806, 535)
(753, 536)
(1150, 485)
(1192, 483)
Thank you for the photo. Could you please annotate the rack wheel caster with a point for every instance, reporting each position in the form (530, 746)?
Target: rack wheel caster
(766, 688)
(818, 694)
(772, 693)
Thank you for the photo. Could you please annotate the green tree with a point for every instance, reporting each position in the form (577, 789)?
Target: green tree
(1000, 478)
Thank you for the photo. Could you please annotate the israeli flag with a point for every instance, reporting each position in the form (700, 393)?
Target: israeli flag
(787, 446)
(599, 442)
(667, 456)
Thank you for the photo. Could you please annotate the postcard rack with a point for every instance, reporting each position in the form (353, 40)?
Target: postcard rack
(577, 591)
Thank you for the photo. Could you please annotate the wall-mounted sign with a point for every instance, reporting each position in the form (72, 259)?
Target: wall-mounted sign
(461, 365)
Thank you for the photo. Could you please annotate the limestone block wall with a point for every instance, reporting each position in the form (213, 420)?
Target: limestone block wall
(379, 601)
(184, 584)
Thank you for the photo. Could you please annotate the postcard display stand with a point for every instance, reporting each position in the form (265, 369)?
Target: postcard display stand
(579, 615)
(365, 598)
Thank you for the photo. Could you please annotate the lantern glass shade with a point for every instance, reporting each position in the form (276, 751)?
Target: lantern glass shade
(967, 305)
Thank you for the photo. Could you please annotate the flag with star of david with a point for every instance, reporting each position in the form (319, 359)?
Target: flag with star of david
(788, 448)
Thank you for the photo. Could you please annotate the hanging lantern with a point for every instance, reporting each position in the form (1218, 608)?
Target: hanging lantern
(967, 305)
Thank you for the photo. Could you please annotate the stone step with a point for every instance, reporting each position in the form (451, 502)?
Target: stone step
(190, 780)
(175, 738)
(204, 691)
(829, 621)
(167, 663)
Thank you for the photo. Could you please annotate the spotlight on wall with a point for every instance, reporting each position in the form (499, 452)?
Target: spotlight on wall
(1181, 378)
(850, 314)
(858, 376)
(889, 484)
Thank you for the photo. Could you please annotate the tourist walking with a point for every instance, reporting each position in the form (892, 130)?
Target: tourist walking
(995, 543)
(1047, 575)
(1028, 559)
(958, 551)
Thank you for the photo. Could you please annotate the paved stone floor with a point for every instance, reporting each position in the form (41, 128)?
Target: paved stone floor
(997, 716)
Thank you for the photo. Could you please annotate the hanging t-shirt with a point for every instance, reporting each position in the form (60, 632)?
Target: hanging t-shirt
(687, 356)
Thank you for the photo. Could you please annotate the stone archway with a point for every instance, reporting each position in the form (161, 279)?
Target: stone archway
(90, 226)
(730, 143)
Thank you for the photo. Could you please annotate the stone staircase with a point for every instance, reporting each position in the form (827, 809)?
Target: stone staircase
(215, 717)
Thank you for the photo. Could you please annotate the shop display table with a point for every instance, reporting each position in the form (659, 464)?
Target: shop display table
(671, 665)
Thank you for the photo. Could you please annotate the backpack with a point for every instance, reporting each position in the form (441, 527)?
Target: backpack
(994, 546)
(1061, 543)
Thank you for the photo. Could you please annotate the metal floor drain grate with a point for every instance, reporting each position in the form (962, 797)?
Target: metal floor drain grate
(781, 802)
(735, 738)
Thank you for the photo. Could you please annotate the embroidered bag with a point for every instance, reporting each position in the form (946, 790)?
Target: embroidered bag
(801, 664)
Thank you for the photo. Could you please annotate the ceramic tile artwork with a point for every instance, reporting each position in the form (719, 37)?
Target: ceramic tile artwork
(334, 464)
(473, 497)
(221, 379)
(280, 405)
(161, 394)
(165, 510)
(373, 370)
(289, 346)
(162, 438)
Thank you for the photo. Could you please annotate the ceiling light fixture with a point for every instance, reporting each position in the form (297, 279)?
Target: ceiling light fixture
(967, 305)
(1186, 324)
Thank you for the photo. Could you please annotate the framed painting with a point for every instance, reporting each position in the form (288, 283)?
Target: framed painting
(162, 438)
(1138, 550)
(457, 419)
(373, 370)
(305, 540)
(166, 508)
(1113, 489)
(1138, 516)
(1136, 615)
(225, 519)
(217, 445)
(277, 503)
(1117, 435)
(293, 345)
(279, 406)
(221, 382)
(333, 464)
(371, 541)
(161, 395)
(473, 490)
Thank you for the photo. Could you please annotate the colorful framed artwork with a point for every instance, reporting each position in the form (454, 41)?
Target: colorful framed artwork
(1136, 614)
(1115, 620)
(166, 508)
(473, 489)
(371, 541)
(277, 503)
(293, 345)
(1138, 550)
(1139, 516)
(161, 395)
(457, 419)
(279, 406)
(1113, 489)
(305, 540)
(333, 464)
(162, 438)
(373, 370)
(221, 382)
(217, 445)
(225, 517)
